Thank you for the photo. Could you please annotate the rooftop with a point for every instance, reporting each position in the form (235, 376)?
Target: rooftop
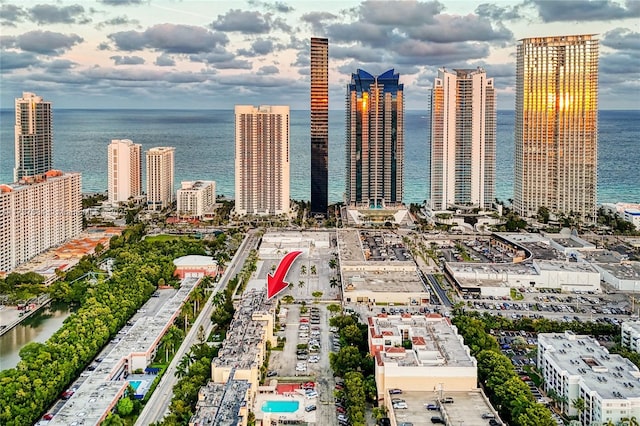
(219, 403)
(612, 376)
(383, 281)
(626, 270)
(195, 260)
(435, 342)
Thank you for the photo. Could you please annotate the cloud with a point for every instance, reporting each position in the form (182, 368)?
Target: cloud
(170, 38)
(59, 65)
(117, 21)
(120, 2)
(138, 74)
(359, 53)
(402, 13)
(127, 60)
(104, 46)
(278, 6)
(258, 47)
(621, 39)
(268, 70)
(52, 14)
(10, 14)
(12, 60)
(165, 60)
(235, 64)
(451, 28)
(43, 42)
(244, 21)
(318, 20)
(499, 13)
(585, 10)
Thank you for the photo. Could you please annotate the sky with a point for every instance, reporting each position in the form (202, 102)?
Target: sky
(218, 53)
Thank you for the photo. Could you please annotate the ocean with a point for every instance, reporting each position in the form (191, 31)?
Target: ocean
(204, 142)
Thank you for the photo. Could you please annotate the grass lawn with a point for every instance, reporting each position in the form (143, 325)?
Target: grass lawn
(164, 237)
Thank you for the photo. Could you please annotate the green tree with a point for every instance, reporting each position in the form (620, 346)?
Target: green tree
(317, 295)
(125, 407)
(333, 308)
(543, 214)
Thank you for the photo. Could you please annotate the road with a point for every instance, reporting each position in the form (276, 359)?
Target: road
(158, 405)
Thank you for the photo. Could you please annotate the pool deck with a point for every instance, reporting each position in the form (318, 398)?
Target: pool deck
(299, 414)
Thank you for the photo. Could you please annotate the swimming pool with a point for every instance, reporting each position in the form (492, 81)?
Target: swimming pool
(135, 384)
(280, 406)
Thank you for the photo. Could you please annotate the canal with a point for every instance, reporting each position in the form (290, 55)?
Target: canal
(37, 328)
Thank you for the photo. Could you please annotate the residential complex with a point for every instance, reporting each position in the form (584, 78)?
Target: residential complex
(262, 160)
(437, 357)
(556, 126)
(235, 372)
(124, 170)
(463, 139)
(374, 140)
(319, 125)
(33, 136)
(196, 199)
(37, 213)
(630, 331)
(160, 172)
(577, 368)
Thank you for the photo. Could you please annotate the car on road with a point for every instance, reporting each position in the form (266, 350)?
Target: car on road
(309, 408)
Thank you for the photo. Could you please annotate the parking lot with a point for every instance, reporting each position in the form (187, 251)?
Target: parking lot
(310, 364)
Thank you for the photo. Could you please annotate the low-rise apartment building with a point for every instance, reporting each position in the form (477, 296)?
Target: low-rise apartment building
(583, 373)
(420, 353)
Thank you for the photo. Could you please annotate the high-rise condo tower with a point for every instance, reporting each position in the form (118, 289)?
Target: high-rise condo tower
(124, 174)
(556, 126)
(33, 136)
(319, 124)
(463, 139)
(262, 160)
(374, 140)
(160, 173)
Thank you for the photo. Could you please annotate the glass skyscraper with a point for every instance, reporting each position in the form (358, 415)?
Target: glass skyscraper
(374, 140)
(556, 126)
(319, 124)
(33, 136)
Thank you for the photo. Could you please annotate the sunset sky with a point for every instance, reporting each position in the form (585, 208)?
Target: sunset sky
(215, 54)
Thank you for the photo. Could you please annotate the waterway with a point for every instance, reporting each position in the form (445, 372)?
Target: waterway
(37, 328)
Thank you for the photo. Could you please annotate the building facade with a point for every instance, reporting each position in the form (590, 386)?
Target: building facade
(374, 140)
(556, 126)
(160, 172)
(577, 368)
(630, 331)
(37, 213)
(124, 170)
(319, 125)
(463, 139)
(262, 160)
(195, 199)
(33, 136)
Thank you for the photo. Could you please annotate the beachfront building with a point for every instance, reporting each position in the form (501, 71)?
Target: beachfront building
(633, 216)
(124, 170)
(319, 125)
(33, 136)
(436, 359)
(262, 160)
(196, 199)
(160, 173)
(37, 213)
(556, 126)
(374, 140)
(576, 367)
(463, 139)
(631, 335)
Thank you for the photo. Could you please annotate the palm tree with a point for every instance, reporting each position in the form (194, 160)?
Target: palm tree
(303, 270)
(629, 421)
(300, 284)
(333, 282)
(313, 270)
(333, 263)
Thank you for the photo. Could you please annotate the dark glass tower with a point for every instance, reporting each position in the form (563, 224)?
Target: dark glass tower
(319, 125)
(374, 140)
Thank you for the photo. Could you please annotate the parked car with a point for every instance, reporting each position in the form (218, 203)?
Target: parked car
(432, 407)
(395, 391)
(437, 419)
(401, 406)
(488, 416)
(447, 400)
(272, 373)
(309, 408)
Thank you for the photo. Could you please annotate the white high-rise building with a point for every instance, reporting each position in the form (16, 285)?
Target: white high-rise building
(33, 136)
(556, 126)
(37, 213)
(463, 139)
(195, 199)
(124, 164)
(262, 160)
(160, 172)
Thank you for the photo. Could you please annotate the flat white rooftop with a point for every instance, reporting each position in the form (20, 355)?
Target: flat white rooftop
(611, 376)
